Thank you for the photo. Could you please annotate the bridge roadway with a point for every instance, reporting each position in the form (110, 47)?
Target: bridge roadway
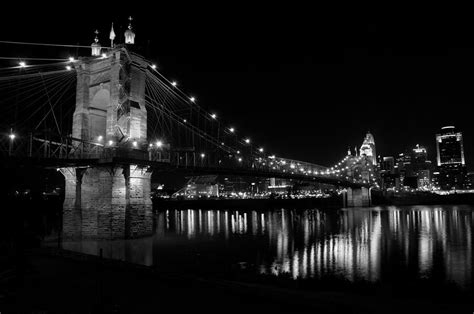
(73, 152)
(161, 166)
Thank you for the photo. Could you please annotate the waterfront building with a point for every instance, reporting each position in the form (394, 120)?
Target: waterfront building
(368, 148)
(450, 158)
(389, 177)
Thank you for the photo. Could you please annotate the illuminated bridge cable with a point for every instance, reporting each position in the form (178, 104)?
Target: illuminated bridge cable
(157, 77)
(61, 93)
(164, 88)
(46, 44)
(33, 59)
(43, 67)
(30, 93)
(157, 98)
(23, 76)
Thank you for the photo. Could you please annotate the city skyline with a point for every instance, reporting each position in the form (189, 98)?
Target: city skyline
(305, 99)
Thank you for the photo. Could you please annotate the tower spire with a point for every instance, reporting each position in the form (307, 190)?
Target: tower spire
(112, 35)
(129, 34)
(96, 45)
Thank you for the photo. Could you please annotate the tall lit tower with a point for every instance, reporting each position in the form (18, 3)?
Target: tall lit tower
(368, 148)
(449, 146)
(450, 158)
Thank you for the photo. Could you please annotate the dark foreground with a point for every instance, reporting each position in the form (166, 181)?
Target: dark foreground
(54, 281)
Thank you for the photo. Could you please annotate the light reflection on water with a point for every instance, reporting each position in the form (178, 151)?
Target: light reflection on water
(372, 244)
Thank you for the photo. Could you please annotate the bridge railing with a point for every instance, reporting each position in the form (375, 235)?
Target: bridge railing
(72, 148)
(69, 148)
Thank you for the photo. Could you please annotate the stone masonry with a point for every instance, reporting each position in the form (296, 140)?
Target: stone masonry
(109, 200)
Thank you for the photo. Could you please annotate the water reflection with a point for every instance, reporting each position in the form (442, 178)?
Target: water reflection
(371, 244)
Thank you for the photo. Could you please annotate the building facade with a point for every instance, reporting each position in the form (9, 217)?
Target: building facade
(450, 159)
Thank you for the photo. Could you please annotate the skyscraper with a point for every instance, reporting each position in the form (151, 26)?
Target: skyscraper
(368, 148)
(450, 158)
(449, 146)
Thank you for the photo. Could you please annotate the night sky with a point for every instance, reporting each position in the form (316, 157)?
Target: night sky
(302, 82)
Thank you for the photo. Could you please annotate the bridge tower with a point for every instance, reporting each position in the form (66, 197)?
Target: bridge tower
(109, 199)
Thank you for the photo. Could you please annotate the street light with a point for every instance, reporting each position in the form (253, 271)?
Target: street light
(247, 140)
(260, 149)
(159, 144)
(12, 137)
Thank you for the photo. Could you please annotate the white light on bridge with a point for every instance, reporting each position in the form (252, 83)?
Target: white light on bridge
(232, 130)
(240, 159)
(174, 83)
(159, 144)
(68, 67)
(12, 136)
(99, 138)
(71, 59)
(192, 99)
(153, 66)
(238, 152)
(151, 145)
(247, 140)
(214, 116)
(104, 55)
(184, 120)
(203, 155)
(111, 143)
(22, 64)
(260, 149)
(134, 143)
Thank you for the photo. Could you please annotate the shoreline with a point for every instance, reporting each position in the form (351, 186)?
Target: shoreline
(335, 202)
(329, 203)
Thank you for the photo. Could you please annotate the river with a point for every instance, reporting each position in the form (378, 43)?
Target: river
(377, 244)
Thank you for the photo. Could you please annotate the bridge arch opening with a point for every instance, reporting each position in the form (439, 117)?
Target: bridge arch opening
(98, 113)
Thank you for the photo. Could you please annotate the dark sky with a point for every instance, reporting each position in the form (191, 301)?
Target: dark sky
(305, 83)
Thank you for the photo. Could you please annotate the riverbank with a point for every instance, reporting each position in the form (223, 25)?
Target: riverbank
(330, 202)
(422, 198)
(58, 281)
(334, 202)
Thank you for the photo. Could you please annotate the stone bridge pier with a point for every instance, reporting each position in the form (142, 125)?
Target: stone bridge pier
(107, 202)
(357, 197)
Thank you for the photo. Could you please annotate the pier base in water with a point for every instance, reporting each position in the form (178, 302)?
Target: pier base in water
(107, 202)
(357, 197)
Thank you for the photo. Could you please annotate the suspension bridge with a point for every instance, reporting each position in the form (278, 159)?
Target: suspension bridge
(108, 120)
